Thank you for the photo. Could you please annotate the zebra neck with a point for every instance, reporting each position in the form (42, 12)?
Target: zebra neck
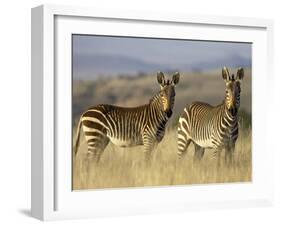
(154, 99)
(227, 117)
(155, 109)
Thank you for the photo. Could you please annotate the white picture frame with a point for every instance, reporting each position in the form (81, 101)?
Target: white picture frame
(52, 197)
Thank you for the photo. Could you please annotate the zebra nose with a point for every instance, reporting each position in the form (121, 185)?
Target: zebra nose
(169, 113)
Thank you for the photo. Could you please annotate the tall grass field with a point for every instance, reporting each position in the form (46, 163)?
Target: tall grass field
(125, 167)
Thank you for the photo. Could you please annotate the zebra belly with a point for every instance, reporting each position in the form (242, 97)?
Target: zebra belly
(124, 143)
(204, 143)
(209, 144)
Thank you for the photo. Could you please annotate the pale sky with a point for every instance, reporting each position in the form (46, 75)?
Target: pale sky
(94, 55)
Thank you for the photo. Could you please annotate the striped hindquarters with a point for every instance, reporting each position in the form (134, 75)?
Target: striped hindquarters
(122, 126)
(206, 126)
(96, 127)
(196, 122)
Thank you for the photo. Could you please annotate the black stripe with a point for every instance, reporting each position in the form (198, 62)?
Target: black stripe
(97, 115)
(91, 133)
(94, 140)
(182, 133)
(91, 124)
(184, 125)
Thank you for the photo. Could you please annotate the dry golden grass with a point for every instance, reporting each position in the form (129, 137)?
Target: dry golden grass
(124, 167)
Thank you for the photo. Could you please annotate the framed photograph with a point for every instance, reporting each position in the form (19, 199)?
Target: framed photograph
(137, 112)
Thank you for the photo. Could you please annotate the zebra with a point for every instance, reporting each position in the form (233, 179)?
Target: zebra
(127, 127)
(213, 127)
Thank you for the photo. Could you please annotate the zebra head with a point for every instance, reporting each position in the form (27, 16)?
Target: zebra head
(167, 92)
(232, 90)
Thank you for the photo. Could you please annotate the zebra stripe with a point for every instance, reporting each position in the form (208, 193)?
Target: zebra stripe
(213, 127)
(125, 127)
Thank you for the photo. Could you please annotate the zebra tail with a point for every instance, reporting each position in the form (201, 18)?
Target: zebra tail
(77, 137)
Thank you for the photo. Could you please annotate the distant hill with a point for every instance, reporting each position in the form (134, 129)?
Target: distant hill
(130, 91)
(90, 67)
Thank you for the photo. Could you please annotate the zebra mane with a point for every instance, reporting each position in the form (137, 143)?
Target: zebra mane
(154, 97)
(167, 82)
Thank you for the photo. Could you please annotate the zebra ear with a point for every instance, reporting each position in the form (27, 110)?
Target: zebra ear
(176, 78)
(160, 78)
(240, 74)
(225, 74)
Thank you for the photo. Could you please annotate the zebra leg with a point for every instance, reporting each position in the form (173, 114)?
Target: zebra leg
(148, 147)
(95, 150)
(183, 143)
(226, 156)
(232, 155)
(182, 148)
(229, 155)
(218, 156)
(91, 160)
(147, 154)
(198, 153)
